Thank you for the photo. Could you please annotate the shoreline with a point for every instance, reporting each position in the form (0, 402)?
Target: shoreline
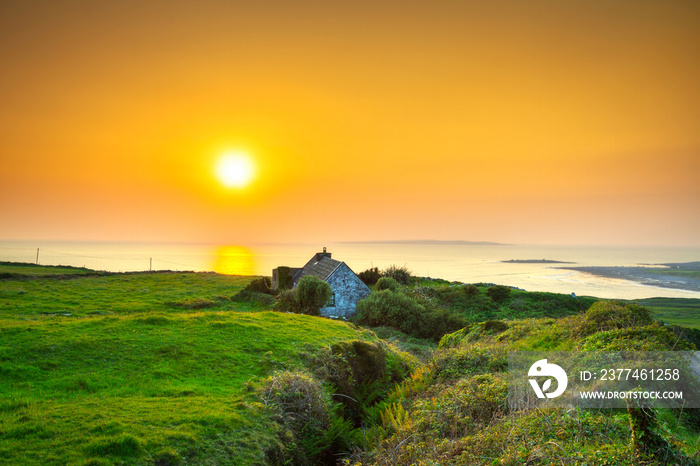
(642, 275)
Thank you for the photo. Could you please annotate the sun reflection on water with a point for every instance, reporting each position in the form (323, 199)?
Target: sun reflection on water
(234, 260)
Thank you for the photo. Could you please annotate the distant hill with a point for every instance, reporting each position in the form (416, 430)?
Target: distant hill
(430, 242)
(682, 276)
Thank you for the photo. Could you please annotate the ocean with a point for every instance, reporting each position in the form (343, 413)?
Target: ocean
(468, 263)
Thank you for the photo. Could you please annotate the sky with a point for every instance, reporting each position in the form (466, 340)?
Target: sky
(538, 122)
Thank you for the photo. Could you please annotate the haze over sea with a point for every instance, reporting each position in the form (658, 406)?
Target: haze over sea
(454, 261)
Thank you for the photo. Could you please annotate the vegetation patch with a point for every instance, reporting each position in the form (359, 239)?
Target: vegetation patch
(72, 387)
(192, 303)
(233, 383)
(123, 446)
(454, 410)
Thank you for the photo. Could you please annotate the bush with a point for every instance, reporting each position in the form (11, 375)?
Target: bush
(390, 309)
(614, 315)
(498, 293)
(311, 431)
(458, 363)
(311, 294)
(690, 335)
(454, 339)
(646, 442)
(387, 283)
(386, 308)
(649, 338)
(400, 274)
(284, 278)
(260, 285)
(471, 290)
(471, 402)
(439, 322)
(494, 326)
(361, 373)
(370, 276)
(691, 418)
(253, 297)
(287, 302)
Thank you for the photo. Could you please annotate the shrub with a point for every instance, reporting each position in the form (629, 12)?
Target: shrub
(386, 308)
(387, 283)
(498, 293)
(311, 431)
(311, 294)
(370, 276)
(400, 274)
(367, 360)
(471, 290)
(438, 322)
(462, 407)
(690, 335)
(358, 374)
(390, 309)
(649, 338)
(287, 302)
(300, 400)
(691, 418)
(253, 297)
(461, 362)
(284, 278)
(614, 315)
(361, 373)
(494, 326)
(646, 442)
(454, 339)
(260, 285)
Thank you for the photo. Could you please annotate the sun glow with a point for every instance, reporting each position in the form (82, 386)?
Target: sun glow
(235, 170)
(234, 260)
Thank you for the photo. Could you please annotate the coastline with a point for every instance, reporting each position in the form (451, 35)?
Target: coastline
(642, 275)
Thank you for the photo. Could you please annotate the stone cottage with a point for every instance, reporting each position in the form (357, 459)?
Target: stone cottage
(347, 287)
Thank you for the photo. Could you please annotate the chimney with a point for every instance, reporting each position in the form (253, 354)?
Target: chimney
(321, 255)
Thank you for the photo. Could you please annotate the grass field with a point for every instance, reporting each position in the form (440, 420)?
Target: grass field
(38, 270)
(679, 311)
(154, 369)
(140, 368)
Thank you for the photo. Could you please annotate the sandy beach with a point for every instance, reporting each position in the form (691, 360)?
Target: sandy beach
(669, 276)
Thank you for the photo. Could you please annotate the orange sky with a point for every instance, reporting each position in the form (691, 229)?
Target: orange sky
(523, 122)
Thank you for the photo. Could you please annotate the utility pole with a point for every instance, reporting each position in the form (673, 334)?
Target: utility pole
(37, 256)
(150, 267)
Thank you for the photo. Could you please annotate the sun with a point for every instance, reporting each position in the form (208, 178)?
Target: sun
(235, 169)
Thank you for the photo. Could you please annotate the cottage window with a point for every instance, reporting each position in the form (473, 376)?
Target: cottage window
(331, 301)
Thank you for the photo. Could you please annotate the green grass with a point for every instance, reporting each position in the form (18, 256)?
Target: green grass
(158, 369)
(455, 410)
(117, 294)
(21, 268)
(679, 311)
(693, 274)
(129, 369)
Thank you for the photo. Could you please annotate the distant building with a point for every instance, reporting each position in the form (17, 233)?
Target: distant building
(347, 287)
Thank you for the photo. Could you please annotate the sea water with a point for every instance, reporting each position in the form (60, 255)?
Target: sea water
(467, 263)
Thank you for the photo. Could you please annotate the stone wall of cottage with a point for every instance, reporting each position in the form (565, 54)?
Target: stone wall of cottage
(348, 289)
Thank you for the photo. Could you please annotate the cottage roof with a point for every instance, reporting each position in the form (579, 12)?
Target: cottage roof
(322, 267)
